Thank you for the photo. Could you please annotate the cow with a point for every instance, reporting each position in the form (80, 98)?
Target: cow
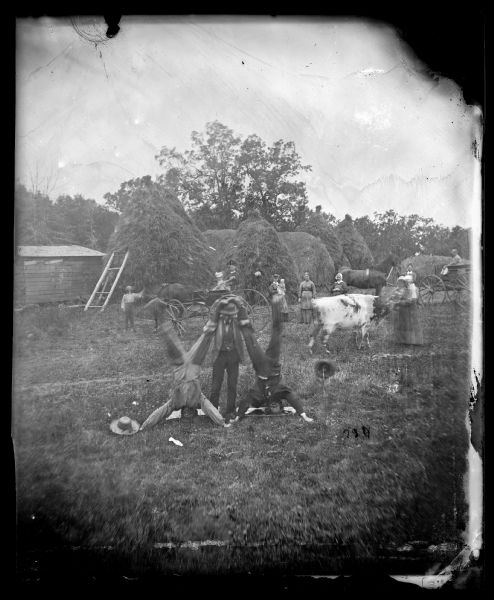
(347, 311)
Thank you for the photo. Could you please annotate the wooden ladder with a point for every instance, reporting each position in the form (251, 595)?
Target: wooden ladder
(108, 278)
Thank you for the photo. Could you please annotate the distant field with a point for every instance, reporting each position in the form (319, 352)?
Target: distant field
(283, 495)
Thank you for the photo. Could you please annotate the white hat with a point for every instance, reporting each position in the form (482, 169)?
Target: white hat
(124, 426)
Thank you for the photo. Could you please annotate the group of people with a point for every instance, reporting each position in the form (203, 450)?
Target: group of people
(229, 329)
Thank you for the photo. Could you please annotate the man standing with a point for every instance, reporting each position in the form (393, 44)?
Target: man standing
(127, 305)
(228, 354)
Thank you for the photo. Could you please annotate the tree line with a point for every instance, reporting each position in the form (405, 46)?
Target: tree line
(68, 220)
(219, 181)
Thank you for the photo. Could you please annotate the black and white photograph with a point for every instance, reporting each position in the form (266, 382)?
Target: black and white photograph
(248, 302)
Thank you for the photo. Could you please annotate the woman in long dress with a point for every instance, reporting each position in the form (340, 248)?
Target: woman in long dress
(306, 293)
(407, 318)
(284, 303)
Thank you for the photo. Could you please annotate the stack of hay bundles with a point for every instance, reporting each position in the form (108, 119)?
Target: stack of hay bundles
(317, 226)
(257, 248)
(310, 254)
(354, 245)
(219, 241)
(163, 243)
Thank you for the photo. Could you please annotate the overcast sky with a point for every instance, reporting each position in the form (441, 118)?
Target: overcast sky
(377, 133)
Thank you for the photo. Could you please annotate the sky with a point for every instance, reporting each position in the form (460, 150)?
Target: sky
(378, 132)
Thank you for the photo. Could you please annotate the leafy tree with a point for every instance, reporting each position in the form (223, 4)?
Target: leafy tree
(36, 221)
(86, 222)
(405, 235)
(269, 182)
(222, 178)
(207, 177)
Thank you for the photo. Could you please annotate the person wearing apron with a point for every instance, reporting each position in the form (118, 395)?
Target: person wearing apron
(307, 293)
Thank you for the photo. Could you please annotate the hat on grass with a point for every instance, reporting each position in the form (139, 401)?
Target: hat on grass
(324, 369)
(124, 426)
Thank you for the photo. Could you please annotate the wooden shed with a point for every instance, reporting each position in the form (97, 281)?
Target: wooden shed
(55, 273)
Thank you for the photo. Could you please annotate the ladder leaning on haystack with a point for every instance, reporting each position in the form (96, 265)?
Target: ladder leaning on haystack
(99, 292)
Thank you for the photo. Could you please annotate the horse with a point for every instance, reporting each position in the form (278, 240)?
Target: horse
(372, 277)
(159, 296)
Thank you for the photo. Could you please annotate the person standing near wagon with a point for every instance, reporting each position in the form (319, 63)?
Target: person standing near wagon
(407, 322)
(129, 300)
(232, 276)
(306, 293)
(227, 355)
(274, 287)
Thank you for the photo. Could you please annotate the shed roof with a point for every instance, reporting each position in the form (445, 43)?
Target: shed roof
(50, 251)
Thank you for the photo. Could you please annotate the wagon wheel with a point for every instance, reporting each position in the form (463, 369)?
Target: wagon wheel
(258, 308)
(431, 285)
(174, 312)
(197, 311)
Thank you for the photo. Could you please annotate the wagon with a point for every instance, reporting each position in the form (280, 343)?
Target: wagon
(448, 284)
(198, 308)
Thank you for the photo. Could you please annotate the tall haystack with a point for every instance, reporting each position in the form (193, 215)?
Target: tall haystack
(163, 243)
(354, 246)
(309, 254)
(257, 248)
(219, 241)
(317, 226)
(424, 264)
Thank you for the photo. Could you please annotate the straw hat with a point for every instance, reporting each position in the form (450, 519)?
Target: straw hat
(324, 369)
(228, 309)
(124, 426)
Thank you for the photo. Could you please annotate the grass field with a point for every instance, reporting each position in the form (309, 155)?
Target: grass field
(381, 466)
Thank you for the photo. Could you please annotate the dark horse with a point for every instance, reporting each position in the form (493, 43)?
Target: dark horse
(159, 297)
(376, 276)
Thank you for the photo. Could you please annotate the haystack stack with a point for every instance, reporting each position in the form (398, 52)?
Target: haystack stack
(258, 249)
(219, 241)
(424, 264)
(354, 246)
(317, 226)
(309, 254)
(163, 243)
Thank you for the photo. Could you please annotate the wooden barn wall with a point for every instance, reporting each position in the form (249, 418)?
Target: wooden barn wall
(57, 279)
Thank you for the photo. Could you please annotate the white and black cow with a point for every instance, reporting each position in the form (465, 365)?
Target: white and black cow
(347, 311)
